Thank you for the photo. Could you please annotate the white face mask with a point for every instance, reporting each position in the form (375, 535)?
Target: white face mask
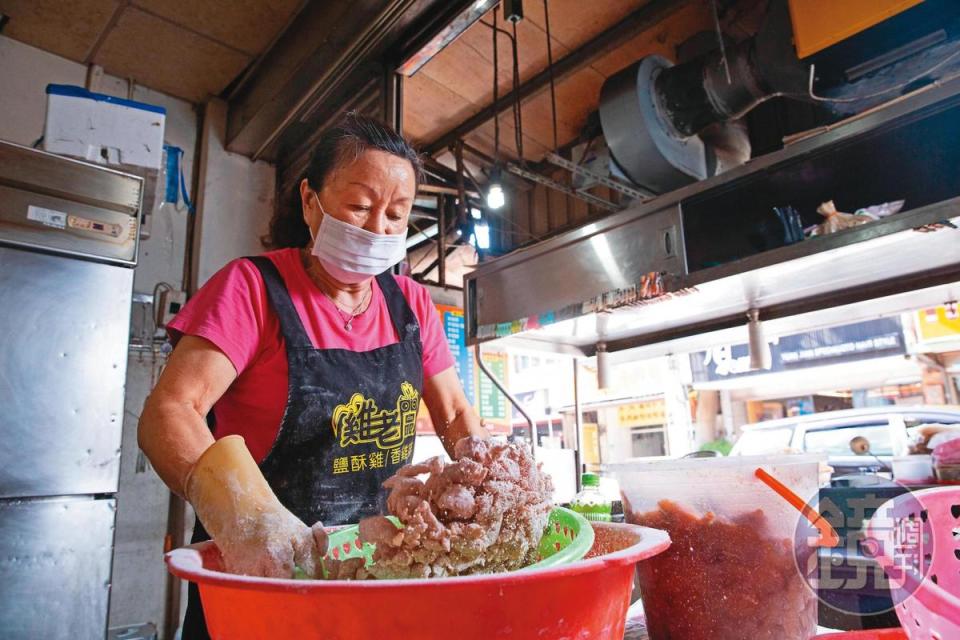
(351, 254)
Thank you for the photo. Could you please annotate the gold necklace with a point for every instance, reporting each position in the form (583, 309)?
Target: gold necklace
(352, 313)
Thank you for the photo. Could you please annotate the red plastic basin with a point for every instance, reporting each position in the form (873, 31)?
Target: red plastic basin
(585, 599)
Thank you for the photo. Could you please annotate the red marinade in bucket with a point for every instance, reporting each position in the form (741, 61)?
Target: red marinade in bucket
(722, 579)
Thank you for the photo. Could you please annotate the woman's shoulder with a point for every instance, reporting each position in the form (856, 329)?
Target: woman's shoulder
(418, 296)
(240, 281)
(412, 290)
(245, 269)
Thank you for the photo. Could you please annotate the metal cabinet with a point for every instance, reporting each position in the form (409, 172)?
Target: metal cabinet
(68, 244)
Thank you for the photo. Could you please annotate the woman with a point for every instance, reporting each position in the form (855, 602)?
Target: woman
(310, 362)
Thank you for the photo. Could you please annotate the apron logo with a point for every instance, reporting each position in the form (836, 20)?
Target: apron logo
(360, 421)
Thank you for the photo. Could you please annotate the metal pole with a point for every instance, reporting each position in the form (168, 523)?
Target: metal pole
(577, 421)
(176, 523)
(461, 188)
(509, 396)
(442, 240)
(392, 94)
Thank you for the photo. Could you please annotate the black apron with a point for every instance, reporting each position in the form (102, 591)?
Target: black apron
(349, 423)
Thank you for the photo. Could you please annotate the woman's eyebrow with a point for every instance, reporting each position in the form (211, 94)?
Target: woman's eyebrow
(365, 186)
(376, 193)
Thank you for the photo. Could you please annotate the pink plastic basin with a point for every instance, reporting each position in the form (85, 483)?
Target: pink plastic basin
(585, 599)
(916, 539)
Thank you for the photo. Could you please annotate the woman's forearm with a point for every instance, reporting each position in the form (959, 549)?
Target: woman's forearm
(453, 417)
(173, 436)
(465, 422)
(173, 431)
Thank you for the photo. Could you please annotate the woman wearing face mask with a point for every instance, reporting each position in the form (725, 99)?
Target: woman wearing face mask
(309, 363)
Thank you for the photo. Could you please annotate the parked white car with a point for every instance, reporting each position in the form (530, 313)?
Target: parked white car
(888, 429)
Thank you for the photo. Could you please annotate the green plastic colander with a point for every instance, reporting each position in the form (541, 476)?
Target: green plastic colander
(567, 538)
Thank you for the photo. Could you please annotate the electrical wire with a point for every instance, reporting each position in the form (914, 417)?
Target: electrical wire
(517, 112)
(515, 82)
(723, 48)
(586, 150)
(884, 92)
(553, 92)
(496, 93)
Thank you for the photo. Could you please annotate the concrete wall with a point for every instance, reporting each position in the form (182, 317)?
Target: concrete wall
(235, 203)
(236, 208)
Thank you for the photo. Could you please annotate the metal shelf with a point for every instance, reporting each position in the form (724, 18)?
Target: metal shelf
(868, 277)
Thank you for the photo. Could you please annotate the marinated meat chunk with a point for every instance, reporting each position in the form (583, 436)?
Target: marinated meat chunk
(483, 513)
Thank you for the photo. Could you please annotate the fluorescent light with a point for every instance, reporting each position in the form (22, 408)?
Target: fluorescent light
(481, 233)
(476, 213)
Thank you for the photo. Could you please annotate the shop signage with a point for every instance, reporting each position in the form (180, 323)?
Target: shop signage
(846, 343)
(454, 328)
(938, 323)
(642, 414)
(492, 403)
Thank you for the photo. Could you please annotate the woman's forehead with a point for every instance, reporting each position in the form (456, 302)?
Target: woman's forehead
(383, 172)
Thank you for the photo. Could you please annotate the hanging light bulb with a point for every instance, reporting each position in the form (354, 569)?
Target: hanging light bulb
(495, 197)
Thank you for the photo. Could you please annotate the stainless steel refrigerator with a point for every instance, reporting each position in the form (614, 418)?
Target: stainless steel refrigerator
(68, 246)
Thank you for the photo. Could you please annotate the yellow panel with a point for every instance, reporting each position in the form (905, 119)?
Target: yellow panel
(642, 414)
(591, 443)
(937, 323)
(817, 24)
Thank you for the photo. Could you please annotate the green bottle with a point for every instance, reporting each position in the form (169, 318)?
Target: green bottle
(590, 503)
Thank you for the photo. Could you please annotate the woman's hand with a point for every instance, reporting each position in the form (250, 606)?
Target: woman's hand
(255, 533)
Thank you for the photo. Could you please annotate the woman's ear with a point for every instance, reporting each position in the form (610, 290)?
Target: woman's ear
(308, 204)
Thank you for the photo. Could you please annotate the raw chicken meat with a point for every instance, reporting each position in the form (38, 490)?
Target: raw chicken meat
(483, 513)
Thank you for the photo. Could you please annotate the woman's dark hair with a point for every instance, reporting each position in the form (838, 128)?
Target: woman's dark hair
(338, 147)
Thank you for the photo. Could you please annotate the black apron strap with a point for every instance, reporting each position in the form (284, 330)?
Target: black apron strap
(291, 326)
(404, 320)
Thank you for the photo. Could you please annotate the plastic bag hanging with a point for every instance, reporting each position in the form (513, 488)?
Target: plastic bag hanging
(175, 183)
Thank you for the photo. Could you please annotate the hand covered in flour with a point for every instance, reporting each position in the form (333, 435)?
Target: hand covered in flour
(255, 533)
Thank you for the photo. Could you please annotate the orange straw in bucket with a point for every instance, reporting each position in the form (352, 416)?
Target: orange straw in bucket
(828, 536)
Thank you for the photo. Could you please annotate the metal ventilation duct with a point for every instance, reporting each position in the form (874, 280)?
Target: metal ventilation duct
(652, 111)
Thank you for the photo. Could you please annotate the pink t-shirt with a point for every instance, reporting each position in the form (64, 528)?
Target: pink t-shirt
(233, 312)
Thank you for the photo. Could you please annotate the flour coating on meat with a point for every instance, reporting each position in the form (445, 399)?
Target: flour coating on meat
(484, 513)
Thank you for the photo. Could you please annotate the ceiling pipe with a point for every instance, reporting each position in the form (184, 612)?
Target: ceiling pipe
(760, 357)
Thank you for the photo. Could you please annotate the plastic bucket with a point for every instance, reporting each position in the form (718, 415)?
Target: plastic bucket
(732, 571)
(585, 599)
(915, 469)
